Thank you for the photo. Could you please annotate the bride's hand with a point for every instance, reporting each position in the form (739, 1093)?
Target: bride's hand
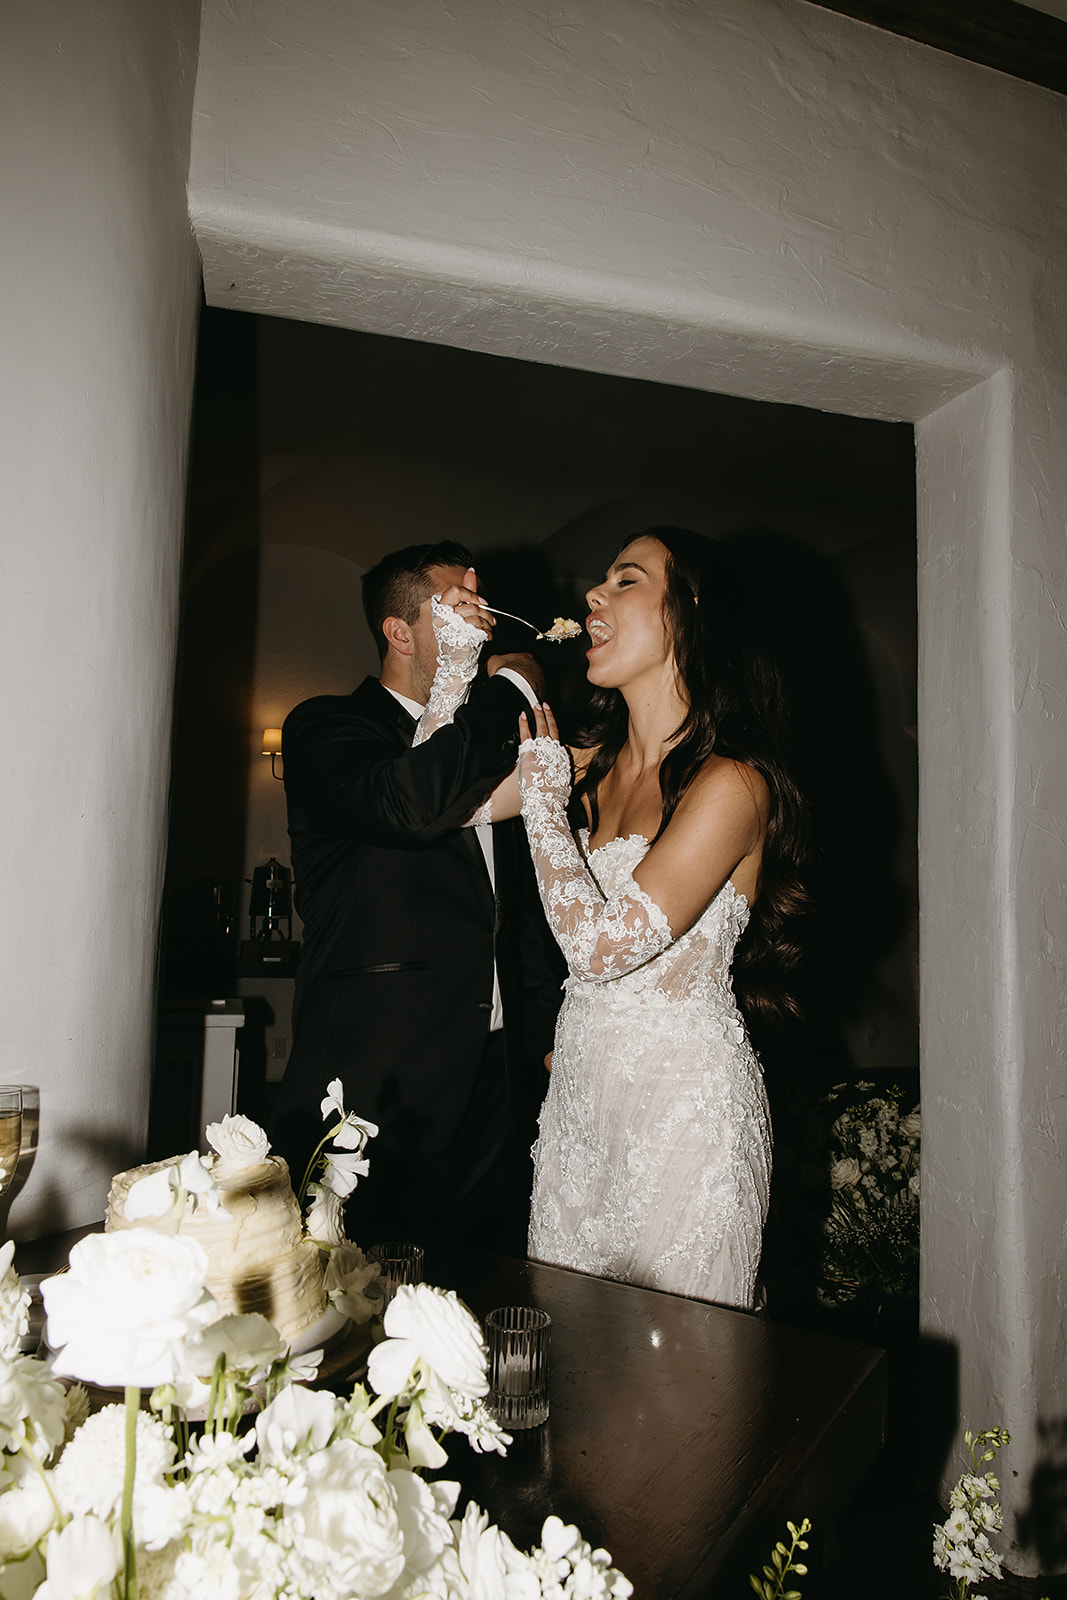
(467, 603)
(544, 725)
(544, 763)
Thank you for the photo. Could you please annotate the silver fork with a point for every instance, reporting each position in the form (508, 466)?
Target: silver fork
(495, 611)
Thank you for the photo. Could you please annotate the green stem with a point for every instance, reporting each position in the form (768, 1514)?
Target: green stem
(133, 1403)
(214, 1405)
(311, 1165)
(179, 1206)
(309, 1169)
(31, 1455)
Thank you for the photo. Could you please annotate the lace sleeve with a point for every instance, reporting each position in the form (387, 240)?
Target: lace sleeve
(600, 937)
(459, 644)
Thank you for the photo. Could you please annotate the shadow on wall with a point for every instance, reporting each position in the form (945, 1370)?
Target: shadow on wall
(1043, 1526)
(865, 907)
(210, 782)
(852, 755)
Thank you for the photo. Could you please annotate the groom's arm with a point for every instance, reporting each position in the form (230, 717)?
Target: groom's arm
(345, 773)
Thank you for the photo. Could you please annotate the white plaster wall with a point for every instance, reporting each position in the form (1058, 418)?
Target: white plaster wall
(768, 199)
(98, 295)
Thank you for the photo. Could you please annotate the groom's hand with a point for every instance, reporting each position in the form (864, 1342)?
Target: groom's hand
(524, 665)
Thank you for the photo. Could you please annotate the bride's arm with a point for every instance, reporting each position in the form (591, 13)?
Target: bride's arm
(707, 837)
(459, 644)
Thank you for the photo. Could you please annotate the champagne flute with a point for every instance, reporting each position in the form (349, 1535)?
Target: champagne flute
(10, 1133)
(31, 1117)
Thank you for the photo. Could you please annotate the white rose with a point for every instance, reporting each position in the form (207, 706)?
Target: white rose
(26, 1515)
(82, 1560)
(911, 1125)
(128, 1300)
(349, 1529)
(844, 1173)
(432, 1329)
(239, 1142)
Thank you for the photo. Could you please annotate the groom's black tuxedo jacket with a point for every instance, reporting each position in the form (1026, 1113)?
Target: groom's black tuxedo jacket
(400, 921)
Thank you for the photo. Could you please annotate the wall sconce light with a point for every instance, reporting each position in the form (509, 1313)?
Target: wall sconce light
(272, 746)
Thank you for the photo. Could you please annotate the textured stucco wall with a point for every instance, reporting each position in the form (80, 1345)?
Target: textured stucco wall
(98, 301)
(771, 200)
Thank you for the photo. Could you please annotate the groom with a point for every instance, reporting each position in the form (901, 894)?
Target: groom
(428, 980)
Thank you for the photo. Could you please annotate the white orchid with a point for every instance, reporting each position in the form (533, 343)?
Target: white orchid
(171, 1187)
(353, 1132)
(83, 1559)
(326, 1218)
(341, 1173)
(249, 1344)
(298, 1423)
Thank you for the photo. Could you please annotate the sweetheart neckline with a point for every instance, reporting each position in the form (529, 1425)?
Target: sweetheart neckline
(625, 838)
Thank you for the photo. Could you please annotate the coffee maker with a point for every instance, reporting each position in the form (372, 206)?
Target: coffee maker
(271, 904)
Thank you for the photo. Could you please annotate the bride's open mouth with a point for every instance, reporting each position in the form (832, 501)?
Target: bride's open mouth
(599, 633)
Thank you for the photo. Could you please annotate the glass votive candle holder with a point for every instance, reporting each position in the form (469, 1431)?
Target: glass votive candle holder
(518, 1339)
(399, 1262)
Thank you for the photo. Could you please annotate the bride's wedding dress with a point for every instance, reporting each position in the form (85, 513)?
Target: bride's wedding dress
(654, 1153)
(653, 1160)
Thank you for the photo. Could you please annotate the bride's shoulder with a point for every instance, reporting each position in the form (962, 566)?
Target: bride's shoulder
(722, 781)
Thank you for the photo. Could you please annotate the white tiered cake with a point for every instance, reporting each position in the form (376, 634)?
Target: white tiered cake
(259, 1258)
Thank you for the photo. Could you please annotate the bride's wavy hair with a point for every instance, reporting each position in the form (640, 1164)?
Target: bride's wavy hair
(736, 708)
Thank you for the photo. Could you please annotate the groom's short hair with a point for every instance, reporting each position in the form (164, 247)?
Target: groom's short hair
(400, 582)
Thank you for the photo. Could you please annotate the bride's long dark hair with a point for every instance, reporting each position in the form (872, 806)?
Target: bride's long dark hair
(736, 709)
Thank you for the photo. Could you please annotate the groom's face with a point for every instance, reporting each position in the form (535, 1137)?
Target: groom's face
(424, 651)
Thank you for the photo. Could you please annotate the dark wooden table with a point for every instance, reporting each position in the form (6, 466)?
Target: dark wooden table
(681, 1436)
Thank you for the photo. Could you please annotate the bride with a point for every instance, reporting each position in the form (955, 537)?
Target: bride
(676, 898)
(653, 1159)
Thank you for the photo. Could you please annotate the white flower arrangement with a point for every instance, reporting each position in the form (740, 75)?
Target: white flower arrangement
(321, 1499)
(871, 1244)
(962, 1546)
